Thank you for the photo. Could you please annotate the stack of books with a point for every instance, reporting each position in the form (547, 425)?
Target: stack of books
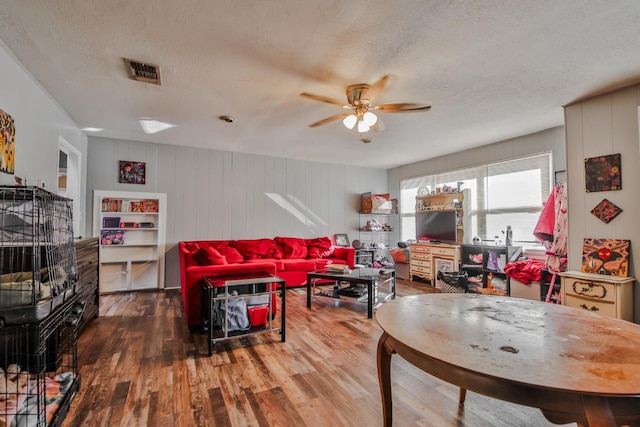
(338, 268)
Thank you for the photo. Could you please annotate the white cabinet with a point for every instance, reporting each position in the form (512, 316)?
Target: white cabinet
(131, 229)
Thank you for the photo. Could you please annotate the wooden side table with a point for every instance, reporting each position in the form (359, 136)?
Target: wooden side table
(599, 293)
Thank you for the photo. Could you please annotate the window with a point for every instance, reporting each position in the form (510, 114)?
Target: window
(496, 195)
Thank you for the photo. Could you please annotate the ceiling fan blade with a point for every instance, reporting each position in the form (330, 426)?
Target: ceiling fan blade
(329, 120)
(376, 89)
(402, 107)
(324, 99)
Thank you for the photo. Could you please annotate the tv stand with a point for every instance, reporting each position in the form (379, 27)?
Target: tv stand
(427, 258)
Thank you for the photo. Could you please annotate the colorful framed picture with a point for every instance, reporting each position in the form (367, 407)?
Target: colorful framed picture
(442, 264)
(606, 256)
(132, 172)
(606, 210)
(342, 240)
(603, 173)
(7, 143)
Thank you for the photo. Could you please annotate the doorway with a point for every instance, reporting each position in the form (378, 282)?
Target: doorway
(69, 167)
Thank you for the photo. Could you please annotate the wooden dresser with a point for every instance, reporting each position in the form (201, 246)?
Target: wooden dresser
(87, 255)
(424, 255)
(608, 295)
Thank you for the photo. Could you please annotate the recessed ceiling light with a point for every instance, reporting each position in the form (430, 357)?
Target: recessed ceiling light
(90, 129)
(153, 126)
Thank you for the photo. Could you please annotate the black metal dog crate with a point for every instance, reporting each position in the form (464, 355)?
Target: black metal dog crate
(37, 253)
(39, 368)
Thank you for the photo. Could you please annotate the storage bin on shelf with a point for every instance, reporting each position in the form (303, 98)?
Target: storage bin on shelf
(37, 253)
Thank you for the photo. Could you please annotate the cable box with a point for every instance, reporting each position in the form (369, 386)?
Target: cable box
(146, 225)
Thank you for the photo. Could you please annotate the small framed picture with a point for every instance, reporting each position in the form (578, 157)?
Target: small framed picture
(131, 172)
(442, 264)
(342, 240)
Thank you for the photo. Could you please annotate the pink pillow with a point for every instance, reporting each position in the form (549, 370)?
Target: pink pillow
(232, 255)
(209, 256)
(292, 247)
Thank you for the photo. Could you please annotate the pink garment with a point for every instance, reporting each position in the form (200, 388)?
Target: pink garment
(551, 229)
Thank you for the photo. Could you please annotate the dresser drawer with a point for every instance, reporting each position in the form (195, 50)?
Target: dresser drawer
(590, 289)
(449, 252)
(420, 249)
(420, 256)
(420, 269)
(607, 308)
(421, 263)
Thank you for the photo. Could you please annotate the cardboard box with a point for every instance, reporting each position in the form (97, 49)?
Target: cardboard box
(521, 290)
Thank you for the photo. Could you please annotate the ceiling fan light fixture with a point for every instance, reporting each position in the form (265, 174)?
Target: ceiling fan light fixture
(362, 127)
(350, 121)
(369, 118)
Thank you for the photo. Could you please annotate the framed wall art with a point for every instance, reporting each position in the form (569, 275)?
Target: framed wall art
(603, 173)
(606, 256)
(7, 143)
(131, 172)
(442, 264)
(342, 240)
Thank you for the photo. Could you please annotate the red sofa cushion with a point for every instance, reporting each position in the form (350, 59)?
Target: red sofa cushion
(317, 247)
(209, 256)
(256, 248)
(231, 255)
(298, 264)
(292, 247)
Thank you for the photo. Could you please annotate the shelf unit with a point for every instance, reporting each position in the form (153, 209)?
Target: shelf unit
(131, 229)
(384, 235)
(485, 266)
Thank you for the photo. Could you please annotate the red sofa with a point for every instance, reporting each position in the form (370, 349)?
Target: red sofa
(289, 258)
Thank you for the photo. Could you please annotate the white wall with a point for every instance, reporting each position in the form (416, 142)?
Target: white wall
(224, 195)
(550, 140)
(605, 124)
(39, 122)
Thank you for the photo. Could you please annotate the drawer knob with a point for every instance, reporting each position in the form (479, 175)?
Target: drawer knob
(593, 308)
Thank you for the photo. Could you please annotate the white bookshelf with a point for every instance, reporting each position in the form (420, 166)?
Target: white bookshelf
(132, 231)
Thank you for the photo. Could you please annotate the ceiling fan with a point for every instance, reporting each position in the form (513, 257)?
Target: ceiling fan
(361, 103)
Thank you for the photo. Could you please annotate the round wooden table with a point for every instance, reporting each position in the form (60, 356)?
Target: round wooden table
(576, 366)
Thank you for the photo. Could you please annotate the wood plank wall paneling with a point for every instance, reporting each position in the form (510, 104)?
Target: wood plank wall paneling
(602, 125)
(224, 195)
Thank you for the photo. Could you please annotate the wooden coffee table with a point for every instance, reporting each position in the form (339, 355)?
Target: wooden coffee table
(372, 278)
(575, 365)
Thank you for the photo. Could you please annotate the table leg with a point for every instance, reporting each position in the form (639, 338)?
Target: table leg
(598, 411)
(370, 299)
(384, 378)
(309, 292)
(283, 289)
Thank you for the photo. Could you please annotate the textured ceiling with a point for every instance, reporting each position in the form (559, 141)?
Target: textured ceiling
(491, 70)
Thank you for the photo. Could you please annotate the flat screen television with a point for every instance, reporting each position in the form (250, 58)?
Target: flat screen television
(437, 226)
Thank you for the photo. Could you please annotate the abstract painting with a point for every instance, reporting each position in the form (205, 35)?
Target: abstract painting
(606, 256)
(603, 173)
(132, 172)
(7, 143)
(606, 210)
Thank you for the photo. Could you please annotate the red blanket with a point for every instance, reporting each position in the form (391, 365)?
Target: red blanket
(526, 271)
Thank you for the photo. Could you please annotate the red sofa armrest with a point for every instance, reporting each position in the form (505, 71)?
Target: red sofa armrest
(346, 254)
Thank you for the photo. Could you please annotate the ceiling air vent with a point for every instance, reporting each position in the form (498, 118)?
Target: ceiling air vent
(148, 73)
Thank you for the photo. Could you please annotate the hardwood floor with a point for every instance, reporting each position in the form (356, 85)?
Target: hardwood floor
(141, 366)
